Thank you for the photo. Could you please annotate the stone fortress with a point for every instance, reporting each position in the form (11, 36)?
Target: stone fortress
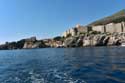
(111, 24)
(111, 28)
(75, 30)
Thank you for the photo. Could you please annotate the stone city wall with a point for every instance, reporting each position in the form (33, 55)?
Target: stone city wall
(111, 27)
(99, 28)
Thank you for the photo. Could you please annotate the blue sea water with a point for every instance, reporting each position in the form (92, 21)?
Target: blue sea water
(63, 65)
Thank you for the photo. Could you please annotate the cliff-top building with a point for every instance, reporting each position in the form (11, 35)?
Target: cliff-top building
(111, 24)
(75, 30)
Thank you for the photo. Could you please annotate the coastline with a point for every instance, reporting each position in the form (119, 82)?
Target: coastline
(93, 39)
(109, 31)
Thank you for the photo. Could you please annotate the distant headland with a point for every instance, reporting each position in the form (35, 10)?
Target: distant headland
(108, 31)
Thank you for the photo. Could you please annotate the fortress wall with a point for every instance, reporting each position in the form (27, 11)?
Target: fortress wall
(99, 28)
(110, 28)
(118, 27)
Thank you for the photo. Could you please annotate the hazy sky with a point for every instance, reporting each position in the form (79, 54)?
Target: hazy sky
(48, 18)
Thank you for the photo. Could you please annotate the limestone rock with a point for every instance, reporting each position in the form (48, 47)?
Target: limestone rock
(70, 42)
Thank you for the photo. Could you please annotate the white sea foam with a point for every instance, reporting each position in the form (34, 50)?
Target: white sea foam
(54, 77)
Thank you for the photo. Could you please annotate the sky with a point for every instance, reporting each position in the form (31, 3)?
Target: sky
(49, 18)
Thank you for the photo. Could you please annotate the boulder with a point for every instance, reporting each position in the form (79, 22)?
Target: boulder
(70, 42)
(87, 41)
(101, 40)
(106, 40)
(79, 42)
(37, 44)
(28, 45)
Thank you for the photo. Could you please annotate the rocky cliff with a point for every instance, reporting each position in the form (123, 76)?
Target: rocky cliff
(23, 44)
(92, 39)
(112, 24)
(97, 33)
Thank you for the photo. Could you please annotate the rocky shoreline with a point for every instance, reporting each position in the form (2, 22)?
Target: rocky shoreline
(82, 40)
(105, 39)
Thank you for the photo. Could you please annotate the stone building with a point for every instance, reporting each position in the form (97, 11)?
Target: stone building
(112, 24)
(75, 30)
(82, 29)
(110, 28)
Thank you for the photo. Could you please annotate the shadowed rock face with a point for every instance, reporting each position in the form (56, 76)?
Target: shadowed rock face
(33, 43)
(37, 44)
(71, 42)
